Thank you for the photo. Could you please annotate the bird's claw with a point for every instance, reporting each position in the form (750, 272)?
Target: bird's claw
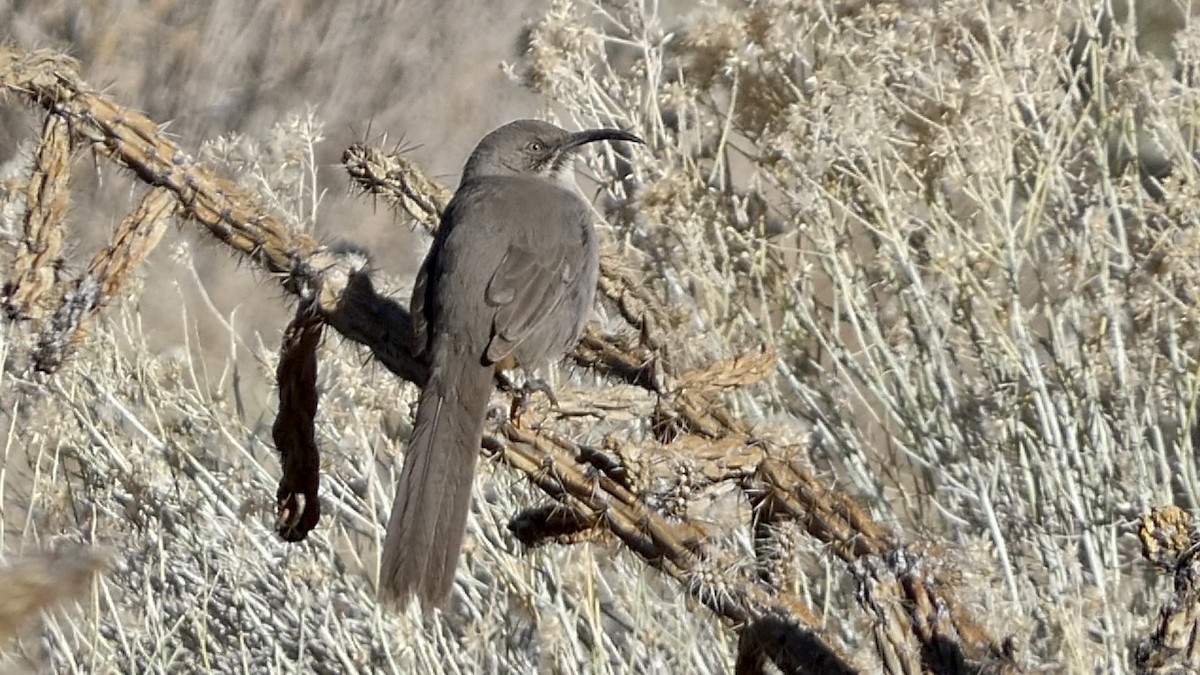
(523, 395)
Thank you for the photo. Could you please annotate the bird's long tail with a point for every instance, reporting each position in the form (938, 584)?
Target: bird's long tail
(429, 515)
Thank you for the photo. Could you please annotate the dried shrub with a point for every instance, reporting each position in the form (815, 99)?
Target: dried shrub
(979, 368)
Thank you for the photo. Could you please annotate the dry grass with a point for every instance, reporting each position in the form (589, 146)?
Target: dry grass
(980, 371)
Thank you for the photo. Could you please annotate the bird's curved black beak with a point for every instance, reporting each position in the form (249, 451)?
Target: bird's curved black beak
(592, 135)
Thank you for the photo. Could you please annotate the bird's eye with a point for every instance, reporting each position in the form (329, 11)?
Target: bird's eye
(535, 146)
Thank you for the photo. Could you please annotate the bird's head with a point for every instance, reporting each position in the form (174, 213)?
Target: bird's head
(534, 148)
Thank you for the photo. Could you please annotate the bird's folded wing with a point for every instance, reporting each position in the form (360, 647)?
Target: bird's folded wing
(420, 324)
(527, 287)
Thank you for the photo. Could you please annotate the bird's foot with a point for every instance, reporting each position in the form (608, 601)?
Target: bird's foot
(524, 394)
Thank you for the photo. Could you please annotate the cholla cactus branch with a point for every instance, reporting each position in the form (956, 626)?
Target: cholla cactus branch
(133, 140)
(135, 238)
(1171, 541)
(345, 296)
(399, 180)
(35, 267)
(676, 547)
(774, 640)
(921, 629)
(294, 430)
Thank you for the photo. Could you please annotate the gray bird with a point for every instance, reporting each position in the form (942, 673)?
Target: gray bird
(509, 281)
